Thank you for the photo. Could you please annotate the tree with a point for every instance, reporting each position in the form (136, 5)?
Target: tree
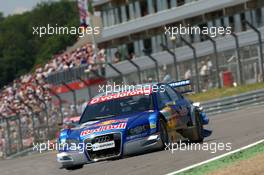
(1, 16)
(20, 50)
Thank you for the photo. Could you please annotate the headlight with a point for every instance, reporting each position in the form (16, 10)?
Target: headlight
(138, 130)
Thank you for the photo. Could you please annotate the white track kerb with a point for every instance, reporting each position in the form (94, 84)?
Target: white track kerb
(215, 158)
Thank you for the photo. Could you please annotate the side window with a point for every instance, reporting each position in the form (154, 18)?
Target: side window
(180, 96)
(163, 98)
(173, 95)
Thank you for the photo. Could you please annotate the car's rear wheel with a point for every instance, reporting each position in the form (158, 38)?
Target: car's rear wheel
(163, 133)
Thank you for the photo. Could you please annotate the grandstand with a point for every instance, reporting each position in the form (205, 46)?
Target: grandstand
(27, 102)
(130, 27)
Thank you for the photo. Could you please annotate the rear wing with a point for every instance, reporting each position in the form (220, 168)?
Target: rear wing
(183, 86)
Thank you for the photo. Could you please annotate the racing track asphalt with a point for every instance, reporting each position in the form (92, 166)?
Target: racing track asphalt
(239, 127)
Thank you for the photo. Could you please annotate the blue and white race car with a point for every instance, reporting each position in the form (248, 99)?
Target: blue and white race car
(128, 122)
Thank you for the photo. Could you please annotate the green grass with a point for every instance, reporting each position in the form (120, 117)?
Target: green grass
(225, 161)
(224, 92)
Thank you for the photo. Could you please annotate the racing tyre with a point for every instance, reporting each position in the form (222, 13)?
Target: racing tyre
(199, 128)
(74, 167)
(163, 133)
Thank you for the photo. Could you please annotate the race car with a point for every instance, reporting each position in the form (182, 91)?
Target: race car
(123, 123)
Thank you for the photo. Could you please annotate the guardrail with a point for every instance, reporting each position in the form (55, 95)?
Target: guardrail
(232, 103)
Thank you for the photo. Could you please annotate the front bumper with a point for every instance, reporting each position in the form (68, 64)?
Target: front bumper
(71, 158)
(140, 145)
(148, 143)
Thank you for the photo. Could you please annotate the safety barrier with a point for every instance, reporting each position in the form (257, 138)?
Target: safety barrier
(232, 103)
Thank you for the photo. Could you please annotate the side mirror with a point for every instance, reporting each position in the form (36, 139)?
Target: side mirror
(198, 105)
(70, 125)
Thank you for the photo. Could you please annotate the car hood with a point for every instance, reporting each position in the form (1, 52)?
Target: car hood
(113, 124)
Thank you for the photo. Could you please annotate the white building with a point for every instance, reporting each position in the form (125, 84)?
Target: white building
(133, 25)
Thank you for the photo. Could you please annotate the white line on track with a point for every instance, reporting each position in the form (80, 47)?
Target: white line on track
(215, 158)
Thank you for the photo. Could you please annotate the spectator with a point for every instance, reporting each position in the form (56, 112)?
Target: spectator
(117, 57)
(210, 73)
(204, 75)
(188, 74)
(131, 55)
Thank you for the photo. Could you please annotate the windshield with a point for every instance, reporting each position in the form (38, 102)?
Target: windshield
(116, 107)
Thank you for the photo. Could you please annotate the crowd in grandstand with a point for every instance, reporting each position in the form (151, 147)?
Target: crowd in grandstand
(25, 93)
(29, 90)
(81, 56)
(30, 93)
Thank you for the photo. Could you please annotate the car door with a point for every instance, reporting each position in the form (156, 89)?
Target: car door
(181, 106)
(168, 108)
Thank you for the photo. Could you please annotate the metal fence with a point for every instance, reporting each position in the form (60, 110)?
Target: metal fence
(213, 77)
(20, 131)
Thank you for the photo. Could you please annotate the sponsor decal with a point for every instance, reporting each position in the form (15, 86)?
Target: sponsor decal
(180, 83)
(153, 125)
(104, 128)
(152, 121)
(109, 122)
(105, 145)
(120, 95)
